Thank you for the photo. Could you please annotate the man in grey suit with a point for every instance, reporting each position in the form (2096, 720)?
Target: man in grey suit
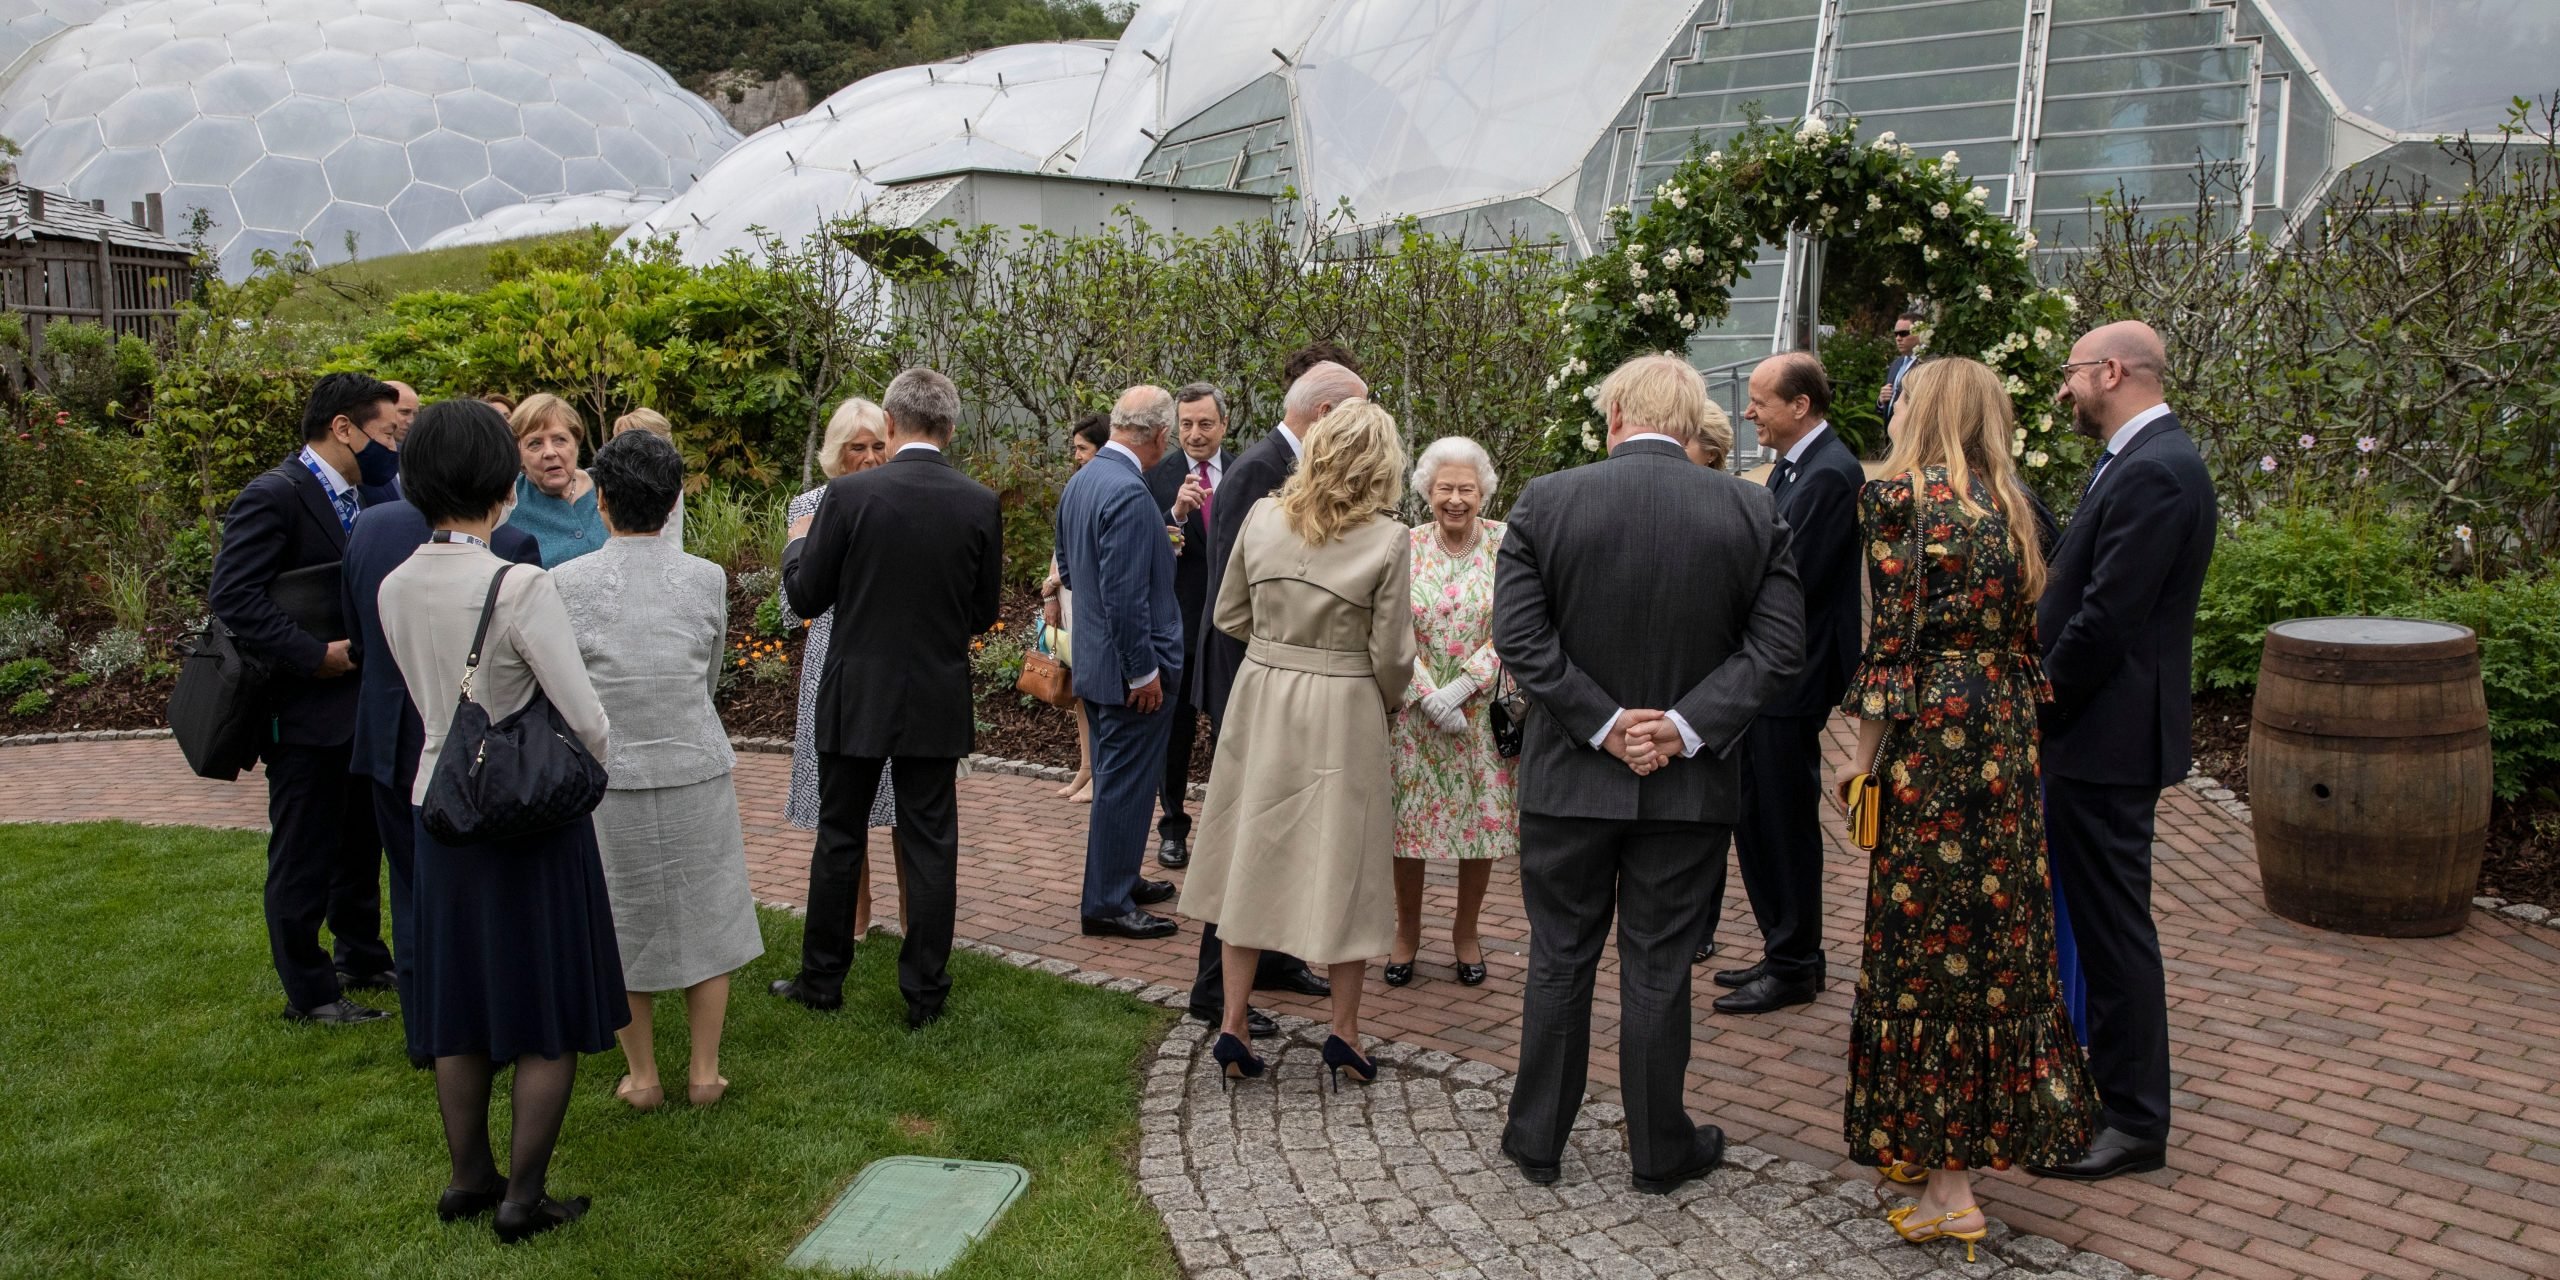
(1648, 606)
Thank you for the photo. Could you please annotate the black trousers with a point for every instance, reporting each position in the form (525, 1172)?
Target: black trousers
(2098, 838)
(1659, 881)
(323, 865)
(1174, 822)
(1209, 989)
(397, 821)
(1779, 842)
(928, 858)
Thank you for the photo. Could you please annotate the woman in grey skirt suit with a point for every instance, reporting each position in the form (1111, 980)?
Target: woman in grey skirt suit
(651, 622)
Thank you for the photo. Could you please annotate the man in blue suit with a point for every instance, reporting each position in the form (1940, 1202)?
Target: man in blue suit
(388, 732)
(1906, 346)
(1116, 554)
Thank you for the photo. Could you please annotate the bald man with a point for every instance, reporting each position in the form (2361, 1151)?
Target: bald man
(2118, 624)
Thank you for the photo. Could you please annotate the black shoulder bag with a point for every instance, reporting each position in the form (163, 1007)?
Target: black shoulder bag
(525, 774)
(1508, 716)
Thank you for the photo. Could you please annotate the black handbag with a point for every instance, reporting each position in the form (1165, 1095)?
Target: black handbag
(215, 710)
(522, 775)
(1508, 716)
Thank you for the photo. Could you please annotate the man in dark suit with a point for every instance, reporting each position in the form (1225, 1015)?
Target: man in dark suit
(321, 845)
(1116, 555)
(2118, 624)
(913, 552)
(1779, 843)
(1648, 607)
(388, 732)
(1318, 379)
(1906, 347)
(1185, 488)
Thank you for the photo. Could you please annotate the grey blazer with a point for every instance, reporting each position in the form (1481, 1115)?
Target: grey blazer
(652, 623)
(1643, 581)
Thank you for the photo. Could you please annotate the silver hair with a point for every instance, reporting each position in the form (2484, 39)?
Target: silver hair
(1326, 383)
(1202, 391)
(921, 402)
(1449, 450)
(1151, 415)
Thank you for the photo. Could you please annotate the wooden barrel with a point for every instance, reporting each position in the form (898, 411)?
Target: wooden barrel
(2369, 774)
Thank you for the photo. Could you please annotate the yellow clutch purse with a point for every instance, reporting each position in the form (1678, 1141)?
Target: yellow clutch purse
(1865, 797)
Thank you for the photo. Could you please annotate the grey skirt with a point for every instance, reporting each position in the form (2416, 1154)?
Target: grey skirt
(675, 868)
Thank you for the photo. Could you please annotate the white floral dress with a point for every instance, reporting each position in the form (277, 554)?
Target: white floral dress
(802, 808)
(1454, 795)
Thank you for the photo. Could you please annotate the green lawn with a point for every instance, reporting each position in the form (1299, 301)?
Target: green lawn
(160, 1119)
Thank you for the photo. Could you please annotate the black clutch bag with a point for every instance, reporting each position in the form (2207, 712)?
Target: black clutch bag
(1508, 717)
(311, 598)
(520, 776)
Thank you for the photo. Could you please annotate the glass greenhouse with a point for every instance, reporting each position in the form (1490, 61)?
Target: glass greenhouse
(392, 120)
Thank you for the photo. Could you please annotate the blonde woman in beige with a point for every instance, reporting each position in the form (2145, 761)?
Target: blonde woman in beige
(656, 424)
(1297, 844)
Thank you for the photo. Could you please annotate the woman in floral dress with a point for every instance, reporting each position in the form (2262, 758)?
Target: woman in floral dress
(1454, 799)
(1960, 1053)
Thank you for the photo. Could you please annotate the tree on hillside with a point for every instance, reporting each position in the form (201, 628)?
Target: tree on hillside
(830, 43)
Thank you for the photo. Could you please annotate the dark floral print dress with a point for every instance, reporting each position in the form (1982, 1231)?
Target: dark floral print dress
(1960, 1049)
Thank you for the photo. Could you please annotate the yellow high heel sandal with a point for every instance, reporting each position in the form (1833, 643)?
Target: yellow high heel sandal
(1907, 1173)
(1935, 1228)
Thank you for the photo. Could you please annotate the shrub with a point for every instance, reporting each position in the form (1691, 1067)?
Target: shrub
(756, 584)
(2518, 620)
(34, 702)
(26, 630)
(719, 526)
(996, 657)
(115, 651)
(127, 588)
(772, 621)
(78, 680)
(2299, 562)
(22, 675)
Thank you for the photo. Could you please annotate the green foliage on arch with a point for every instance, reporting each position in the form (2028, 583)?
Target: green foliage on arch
(1667, 272)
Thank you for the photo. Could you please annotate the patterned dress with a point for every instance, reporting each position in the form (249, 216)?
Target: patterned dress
(802, 809)
(1960, 1049)
(1454, 798)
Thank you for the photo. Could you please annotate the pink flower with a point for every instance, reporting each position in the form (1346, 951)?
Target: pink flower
(2308, 441)
(2267, 464)
(2367, 444)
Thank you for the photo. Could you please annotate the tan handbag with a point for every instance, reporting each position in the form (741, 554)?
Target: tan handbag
(1043, 676)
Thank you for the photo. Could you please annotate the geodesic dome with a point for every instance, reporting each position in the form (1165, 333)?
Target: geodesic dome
(549, 215)
(1020, 108)
(393, 120)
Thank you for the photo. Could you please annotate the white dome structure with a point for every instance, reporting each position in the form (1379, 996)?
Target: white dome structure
(25, 24)
(550, 215)
(392, 120)
(1019, 108)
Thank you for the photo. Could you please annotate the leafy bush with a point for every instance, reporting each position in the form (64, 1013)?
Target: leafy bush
(2518, 620)
(772, 621)
(2299, 562)
(74, 498)
(78, 680)
(34, 702)
(997, 656)
(580, 251)
(22, 675)
(100, 379)
(114, 652)
(26, 630)
(228, 401)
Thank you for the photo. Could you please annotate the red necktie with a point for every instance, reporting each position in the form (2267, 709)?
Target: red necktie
(1205, 493)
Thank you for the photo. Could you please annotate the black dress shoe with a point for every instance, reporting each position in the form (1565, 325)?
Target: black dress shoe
(340, 1012)
(919, 1019)
(1173, 854)
(1709, 1154)
(1299, 979)
(1256, 1023)
(1766, 993)
(1399, 972)
(1150, 892)
(383, 981)
(458, 1203)
(517, 1221)
(2111, 1153)
(1739, 978)
(1541, 1174)
(1136, 924)
(791, 990)
(1704, 954)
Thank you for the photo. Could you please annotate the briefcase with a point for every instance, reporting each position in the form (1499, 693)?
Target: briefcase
(214, 711)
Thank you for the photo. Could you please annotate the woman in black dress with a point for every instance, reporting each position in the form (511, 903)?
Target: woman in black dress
(516, 955)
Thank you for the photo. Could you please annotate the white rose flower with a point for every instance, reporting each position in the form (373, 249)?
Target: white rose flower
(1714, 158)
(1670, 259)
(2044, 336)
(2014, 385)
(1590, 442)
(1679, 199)
(1636, 272)
(1929, 253)
(2037, 459)
(1912, 235)
(2018, 443)
(1982, 291)
(1812, 128)
(1977, 196)
(1950, 160)
(1885, 137)
(1688, 320)
(2029, 240)
(1741, 242)
(1553, 382)
(1695, 255)
(1875, 203)
(2070, 304)
(1940, 211)
(1591, 286)
(1973, 238)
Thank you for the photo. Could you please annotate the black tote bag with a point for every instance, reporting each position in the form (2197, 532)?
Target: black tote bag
(522, 775)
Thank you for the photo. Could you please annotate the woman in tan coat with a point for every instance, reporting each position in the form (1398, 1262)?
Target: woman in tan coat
(1297, 844)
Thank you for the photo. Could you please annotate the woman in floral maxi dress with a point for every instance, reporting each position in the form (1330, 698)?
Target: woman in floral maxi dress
(1454, 798)
(1961, 1054)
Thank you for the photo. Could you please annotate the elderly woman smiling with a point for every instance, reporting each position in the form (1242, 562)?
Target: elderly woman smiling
(1454, 799)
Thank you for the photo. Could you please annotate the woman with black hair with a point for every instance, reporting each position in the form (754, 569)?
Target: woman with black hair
(516, 955)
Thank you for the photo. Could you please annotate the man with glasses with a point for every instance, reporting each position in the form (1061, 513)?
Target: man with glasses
(1906, 345)
(2118, 624)
(1185, 485)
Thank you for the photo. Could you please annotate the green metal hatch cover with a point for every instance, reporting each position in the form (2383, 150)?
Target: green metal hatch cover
(911, 1215)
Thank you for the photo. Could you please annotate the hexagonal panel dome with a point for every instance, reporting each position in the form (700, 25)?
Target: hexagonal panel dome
(550, 215)
(394, 120)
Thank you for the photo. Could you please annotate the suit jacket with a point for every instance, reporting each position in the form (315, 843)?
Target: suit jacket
(388, 732)
(1113, 553)
(1643, 580)
(2118, 616)
(1255, 474)
(1191, 560)
(652, 625)
(910, 555)
(1820, 507)
(283, 521)
(1894, 371)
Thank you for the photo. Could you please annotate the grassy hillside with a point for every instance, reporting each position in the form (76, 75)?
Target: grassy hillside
(830, 43)
(342, 284)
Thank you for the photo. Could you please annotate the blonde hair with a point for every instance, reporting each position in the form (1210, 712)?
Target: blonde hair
(1351, 473)
(546, 410)
(1660, 392)
(649, 420)
(1954, 414)
(854, 415)
(1716, 433)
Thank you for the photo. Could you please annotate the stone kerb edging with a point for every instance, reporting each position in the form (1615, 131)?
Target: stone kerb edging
(1280, 1180)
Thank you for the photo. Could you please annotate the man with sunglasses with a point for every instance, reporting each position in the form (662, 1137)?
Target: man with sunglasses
(1906, 346)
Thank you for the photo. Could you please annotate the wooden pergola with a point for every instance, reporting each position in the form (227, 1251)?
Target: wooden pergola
(66, 259)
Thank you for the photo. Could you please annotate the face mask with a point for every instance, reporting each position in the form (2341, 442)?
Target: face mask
(377, 463)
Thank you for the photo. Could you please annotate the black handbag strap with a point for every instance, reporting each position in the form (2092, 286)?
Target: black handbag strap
(488, 610)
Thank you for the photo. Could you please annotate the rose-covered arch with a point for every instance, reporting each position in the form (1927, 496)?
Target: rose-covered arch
(1663, 274)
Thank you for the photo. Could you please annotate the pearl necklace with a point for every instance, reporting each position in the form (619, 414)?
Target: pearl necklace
(1474, 536)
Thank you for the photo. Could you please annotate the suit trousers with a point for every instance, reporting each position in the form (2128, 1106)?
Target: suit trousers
(2098, 837)
(1128, 767)
(928, 844)
(396, 819)
(1661, 881)
(321, 866)
(1174, 819)
(1779, 843)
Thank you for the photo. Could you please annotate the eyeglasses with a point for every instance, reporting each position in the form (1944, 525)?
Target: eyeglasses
(2069, 365)
(1902, 333)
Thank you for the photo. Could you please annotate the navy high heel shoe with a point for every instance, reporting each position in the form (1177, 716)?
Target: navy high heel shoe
(1236, 1058)
(1340, 1057)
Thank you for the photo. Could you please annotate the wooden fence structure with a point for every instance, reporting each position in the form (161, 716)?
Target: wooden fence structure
(65, 259)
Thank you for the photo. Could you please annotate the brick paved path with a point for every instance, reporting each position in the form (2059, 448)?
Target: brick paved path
(2346, 1106)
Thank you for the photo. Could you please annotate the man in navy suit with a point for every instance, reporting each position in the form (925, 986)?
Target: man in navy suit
(1116, 555)
(1779, 840)
(1906, 346)
(2118, 625)
(321, 844)
(1185, 485)
(388, 733)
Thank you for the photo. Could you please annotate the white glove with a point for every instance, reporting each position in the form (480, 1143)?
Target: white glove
(1446, 705)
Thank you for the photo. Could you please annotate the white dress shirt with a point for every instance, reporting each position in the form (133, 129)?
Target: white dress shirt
(1289, 438)
(919, 444)
(2123, 437)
